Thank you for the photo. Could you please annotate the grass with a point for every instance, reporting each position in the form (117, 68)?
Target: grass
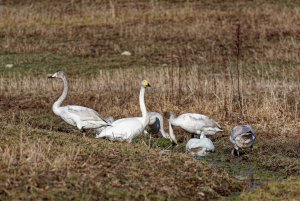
(285, 190)
(187, 52)
(37, 164)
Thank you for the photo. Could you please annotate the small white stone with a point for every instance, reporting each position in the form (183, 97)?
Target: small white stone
(126, 53)
(9, 65)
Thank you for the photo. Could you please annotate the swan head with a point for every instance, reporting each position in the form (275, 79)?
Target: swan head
(145, 84)
(59, 74)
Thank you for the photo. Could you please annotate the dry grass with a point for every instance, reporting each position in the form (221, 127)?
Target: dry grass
(187, 50)
(41, 164)
(152, 30)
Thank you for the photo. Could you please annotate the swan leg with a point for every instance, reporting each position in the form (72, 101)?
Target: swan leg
(235, 152)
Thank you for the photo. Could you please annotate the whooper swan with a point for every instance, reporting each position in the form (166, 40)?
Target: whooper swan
(156, 125)
(242, 137)
(128, 128)
(200, 147)
(81, 117)
(195, 123)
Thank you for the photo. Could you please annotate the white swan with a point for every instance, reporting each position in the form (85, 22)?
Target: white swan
(128, 128)
(199, 147)
(156, 125)
(195, 123)
(243, 137)
(81, 117)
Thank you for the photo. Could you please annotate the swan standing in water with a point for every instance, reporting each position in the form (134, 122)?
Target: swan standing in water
(156, 125)
(81, 117)
(195, 123)
(243, 137)
(128, 128)
(199, 147)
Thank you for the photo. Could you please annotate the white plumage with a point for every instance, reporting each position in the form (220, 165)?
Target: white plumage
(200, 147)
(81, 117)
(128, 128)
(196, 124)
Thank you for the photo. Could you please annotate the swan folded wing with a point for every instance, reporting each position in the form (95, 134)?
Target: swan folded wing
(211, 123)
(85, 114)
(200, 123)
(196, 117)
(203, 142)
(123, 129)
(202, 120)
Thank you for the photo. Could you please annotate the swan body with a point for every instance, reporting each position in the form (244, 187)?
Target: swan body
(200, 147)
(81, 117)
(242, 137)
(128, 128)
(196, 124)
(156, 125)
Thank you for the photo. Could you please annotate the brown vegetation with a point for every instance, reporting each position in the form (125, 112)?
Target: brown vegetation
(196, 62)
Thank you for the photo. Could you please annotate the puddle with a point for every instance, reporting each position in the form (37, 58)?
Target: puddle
(249, 179)
(247, 173)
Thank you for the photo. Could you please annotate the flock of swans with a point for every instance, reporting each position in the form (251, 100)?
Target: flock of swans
(127, 129)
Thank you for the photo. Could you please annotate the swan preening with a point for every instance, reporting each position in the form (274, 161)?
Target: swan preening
(81, 117)
(195, 123)
(200, 147)
(156, 125)
(128, 128)
(243, 137)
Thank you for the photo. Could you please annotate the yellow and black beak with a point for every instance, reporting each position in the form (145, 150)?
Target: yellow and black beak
(146, 83)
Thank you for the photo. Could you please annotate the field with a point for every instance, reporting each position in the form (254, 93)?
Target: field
(235, 61)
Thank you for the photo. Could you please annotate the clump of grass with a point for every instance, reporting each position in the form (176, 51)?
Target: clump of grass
(106, 28)
(40, 164)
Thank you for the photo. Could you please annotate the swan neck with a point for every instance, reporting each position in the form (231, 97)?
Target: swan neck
(170, 129)
(172, 120)
(62, 97)
(162, 129)
(143, 106)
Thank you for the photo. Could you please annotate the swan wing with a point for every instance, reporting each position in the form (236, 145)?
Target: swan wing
(123, 129)
(197, 143)
(204, 121)
(84, 113)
